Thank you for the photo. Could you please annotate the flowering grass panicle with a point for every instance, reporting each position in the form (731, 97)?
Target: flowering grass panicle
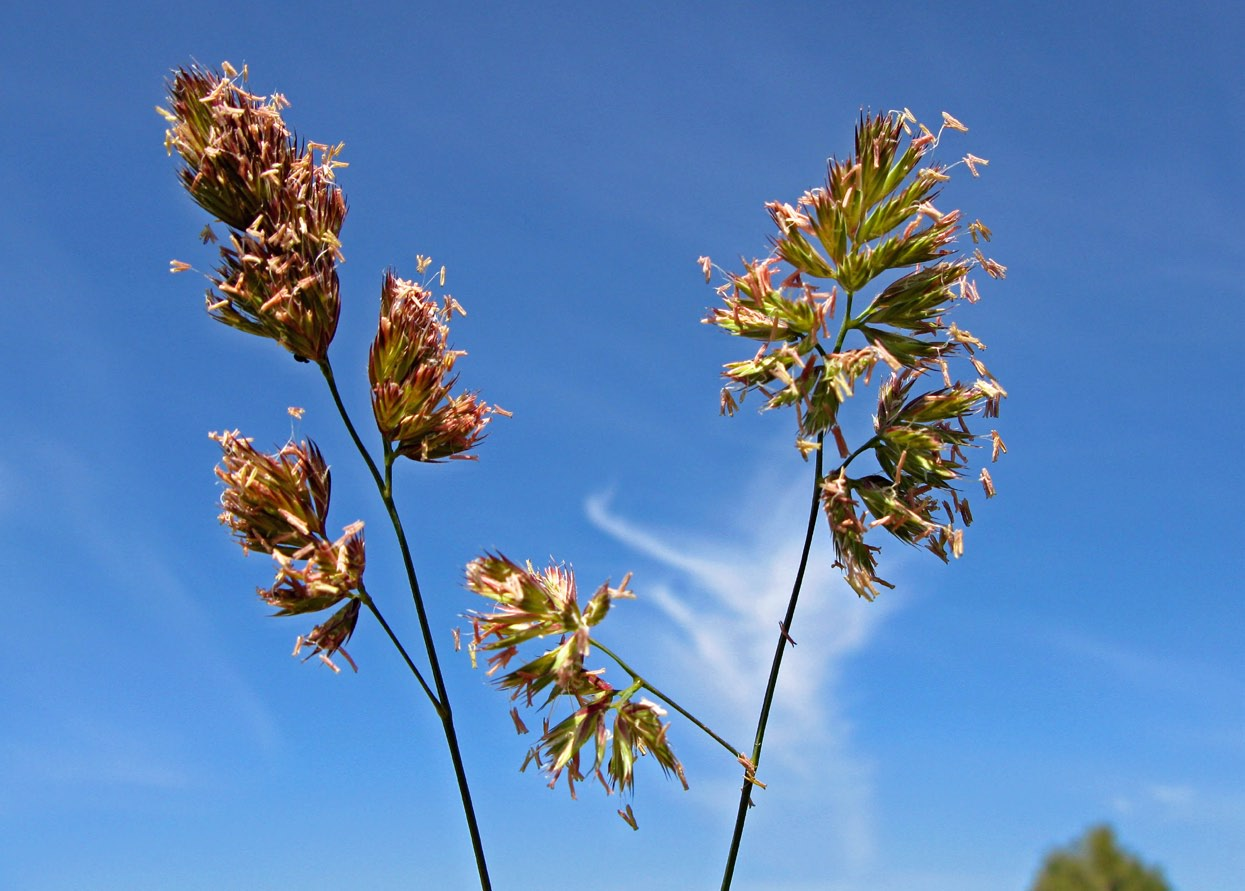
(273, 502)
(411, 367)
(277, 504)
(529, 605)
(867, 256)
(873, 224)
(277, 276)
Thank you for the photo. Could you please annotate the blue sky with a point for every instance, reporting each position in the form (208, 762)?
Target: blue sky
(1081, 663)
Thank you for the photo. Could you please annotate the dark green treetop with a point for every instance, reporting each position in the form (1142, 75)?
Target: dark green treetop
(1096, 862)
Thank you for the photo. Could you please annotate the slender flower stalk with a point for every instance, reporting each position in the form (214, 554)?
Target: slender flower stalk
(873, 226)
(440, 696)
(277, 278)
(532, 605)
(854, 297)
(745, 792)
(636, 678)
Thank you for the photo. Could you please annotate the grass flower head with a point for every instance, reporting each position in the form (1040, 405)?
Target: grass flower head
(277, 276)
(411, 369)
(277, 504)
(872, 229)
(531, 604)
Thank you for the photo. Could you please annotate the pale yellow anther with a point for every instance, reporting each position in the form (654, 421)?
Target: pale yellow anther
(952, 123)
(972, 161)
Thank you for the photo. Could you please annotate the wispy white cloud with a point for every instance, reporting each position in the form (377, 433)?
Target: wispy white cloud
(92, 752)
(77, 752)
(1176, 795)
(724, 600)
(1140, 668)
(1181, 802)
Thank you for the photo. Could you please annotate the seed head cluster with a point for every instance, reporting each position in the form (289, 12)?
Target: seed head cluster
(616, 727)
(873, 227)
(277, 504)
(277, 275)
(411, 369)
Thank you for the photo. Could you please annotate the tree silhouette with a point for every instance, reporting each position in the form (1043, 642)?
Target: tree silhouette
(1097, 863)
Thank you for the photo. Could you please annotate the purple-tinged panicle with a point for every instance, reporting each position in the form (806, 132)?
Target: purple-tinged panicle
(273, 503)
(319, 576)
(278, 272)
(411, 370)
(329, 637)
(277, 504)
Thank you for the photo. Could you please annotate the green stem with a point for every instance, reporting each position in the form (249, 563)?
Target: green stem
(444, 711)
(638, 679)
(745, 795)
(869, 443)
(371, 605)
(327, 370)
(847, 323)
(441, 699)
